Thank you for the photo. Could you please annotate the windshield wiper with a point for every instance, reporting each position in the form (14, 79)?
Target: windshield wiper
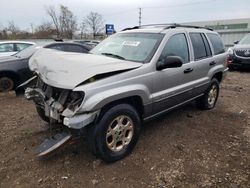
(114, 55)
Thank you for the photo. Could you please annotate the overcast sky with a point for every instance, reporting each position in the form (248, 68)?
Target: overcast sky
(124, 13)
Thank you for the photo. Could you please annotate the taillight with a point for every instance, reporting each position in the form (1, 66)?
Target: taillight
(229, 60)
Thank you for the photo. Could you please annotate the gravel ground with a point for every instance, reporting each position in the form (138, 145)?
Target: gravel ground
(184, 148)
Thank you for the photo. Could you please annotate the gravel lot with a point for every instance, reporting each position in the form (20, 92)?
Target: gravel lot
(184, 148)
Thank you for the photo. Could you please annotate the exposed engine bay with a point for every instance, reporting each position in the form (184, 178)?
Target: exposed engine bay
(56, 102)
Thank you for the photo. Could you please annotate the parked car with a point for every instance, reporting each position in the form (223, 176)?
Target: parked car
(239, 55)
(91, 43)
(8, 48)
(14, 69)
(131, 77)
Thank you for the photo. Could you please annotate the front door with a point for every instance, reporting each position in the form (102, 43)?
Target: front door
(172, 86)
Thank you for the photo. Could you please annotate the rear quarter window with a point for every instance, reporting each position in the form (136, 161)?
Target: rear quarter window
(216, 42)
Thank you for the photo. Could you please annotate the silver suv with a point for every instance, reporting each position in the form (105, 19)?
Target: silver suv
(131, 77)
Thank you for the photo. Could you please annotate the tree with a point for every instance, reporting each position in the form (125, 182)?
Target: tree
(45, 30)
(13, 28)
(65, 22)
(95, 23)
(82, 29)
(68, 23)
(54, 17)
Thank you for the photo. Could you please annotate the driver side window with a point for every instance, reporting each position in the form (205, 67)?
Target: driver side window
(176, 46)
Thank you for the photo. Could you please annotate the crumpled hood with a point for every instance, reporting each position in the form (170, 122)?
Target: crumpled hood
(67, 70)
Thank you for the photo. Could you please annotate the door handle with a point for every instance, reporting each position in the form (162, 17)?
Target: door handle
(212, 63)
(188, 70)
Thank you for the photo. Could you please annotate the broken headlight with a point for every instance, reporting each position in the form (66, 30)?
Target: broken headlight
(75, 99)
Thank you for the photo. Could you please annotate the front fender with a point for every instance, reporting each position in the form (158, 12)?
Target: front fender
(93, 102)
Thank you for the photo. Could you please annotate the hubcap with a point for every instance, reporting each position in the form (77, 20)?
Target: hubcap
(5, 84)
(212, 95)
(119, 133)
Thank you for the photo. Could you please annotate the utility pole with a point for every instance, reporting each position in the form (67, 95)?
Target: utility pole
(139, 16)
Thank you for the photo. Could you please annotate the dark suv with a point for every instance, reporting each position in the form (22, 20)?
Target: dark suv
(239, 55)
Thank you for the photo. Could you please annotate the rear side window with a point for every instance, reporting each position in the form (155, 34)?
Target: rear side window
(59, 47)
(73, 48)
(21, 46)
(176, 46)
(217, 43)
(200, 51)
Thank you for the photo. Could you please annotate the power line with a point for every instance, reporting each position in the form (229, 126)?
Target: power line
(139, 16)
(121, 12)
(181, 5)
(162, 7)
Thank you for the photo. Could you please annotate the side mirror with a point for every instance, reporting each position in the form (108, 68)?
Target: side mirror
(236, 42)
(169, 62)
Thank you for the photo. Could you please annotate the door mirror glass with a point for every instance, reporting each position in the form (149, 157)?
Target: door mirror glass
(169, 62)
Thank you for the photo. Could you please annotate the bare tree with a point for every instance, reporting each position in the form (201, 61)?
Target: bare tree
(13, 28)
(45, 30)
(55, 18)
(95, 22)
(82, 29)
(65, 22)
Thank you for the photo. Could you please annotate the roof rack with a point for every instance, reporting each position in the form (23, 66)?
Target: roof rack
(167, 26)
(187, 26)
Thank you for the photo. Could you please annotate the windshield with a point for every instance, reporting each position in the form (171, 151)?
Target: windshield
(27, 52)
(139, 47)
(245, 40)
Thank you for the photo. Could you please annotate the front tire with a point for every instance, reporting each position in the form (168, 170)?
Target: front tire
(209, 99)
(116, 133)
(41, 113)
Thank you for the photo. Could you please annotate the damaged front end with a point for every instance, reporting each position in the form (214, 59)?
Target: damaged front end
(60, 107)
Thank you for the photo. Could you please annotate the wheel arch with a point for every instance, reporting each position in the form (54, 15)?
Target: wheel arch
(134, 101)
(218, 76)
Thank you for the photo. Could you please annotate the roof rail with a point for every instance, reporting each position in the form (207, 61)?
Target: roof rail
(186, 26)
(168, 26)
(130, 28)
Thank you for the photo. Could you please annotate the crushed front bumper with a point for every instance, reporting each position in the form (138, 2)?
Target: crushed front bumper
(55, 110)
(80, 121)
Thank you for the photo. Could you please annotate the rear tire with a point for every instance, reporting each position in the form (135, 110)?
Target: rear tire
(6, 84)
(116, 133)
(209, 99)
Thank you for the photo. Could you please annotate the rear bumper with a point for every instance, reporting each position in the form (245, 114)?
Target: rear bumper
(237, 62)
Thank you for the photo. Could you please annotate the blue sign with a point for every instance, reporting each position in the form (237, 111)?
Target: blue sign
(109, 29)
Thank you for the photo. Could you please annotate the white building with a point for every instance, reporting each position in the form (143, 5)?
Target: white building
(230, 30)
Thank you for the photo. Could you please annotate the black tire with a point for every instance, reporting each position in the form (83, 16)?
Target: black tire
(6, 84)
(118, 123)
(208, 100)
(41, 113)
(231, 68)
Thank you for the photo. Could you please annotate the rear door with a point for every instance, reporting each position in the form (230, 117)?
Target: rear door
(202, 61)
(218, 49)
